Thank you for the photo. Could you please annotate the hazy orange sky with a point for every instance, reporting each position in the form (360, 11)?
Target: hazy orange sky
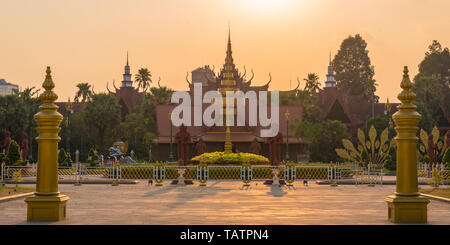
(87, 40)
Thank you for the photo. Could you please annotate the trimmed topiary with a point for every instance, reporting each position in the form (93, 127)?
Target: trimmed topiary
(224, 158)
(13, 153)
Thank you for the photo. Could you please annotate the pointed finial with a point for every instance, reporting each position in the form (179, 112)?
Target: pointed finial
(127, 57)
(387, 106)
(406, 96)
(48, 96)
(406, 82)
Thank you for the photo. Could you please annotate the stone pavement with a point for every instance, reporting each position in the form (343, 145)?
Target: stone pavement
(224, 203)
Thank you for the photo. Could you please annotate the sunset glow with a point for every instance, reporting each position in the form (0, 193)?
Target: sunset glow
(87, 41)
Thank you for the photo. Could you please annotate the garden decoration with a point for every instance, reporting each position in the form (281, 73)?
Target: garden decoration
(432, 144)
(375, 150)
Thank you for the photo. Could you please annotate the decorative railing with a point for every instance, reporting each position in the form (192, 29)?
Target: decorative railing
(160, 172)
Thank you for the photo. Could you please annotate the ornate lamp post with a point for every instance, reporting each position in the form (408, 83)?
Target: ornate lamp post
(69, 111)
(77, 167)
(47, 204)
(287, 114)
(387, 109)
(406, 205)
(171, 158)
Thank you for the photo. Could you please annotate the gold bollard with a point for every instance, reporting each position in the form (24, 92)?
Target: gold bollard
(406, 205)
(47, 204)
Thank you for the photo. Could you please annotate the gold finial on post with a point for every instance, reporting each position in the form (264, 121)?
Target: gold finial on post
(47, 204)
(406, 205)
(48, 96)
(406, 96)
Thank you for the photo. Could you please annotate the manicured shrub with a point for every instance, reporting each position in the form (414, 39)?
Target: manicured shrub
(13, 153)
(92, 158)
(224, 158)
(62, 158)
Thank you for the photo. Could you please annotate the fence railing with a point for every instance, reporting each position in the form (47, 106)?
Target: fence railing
(170, 172)
(371, 174)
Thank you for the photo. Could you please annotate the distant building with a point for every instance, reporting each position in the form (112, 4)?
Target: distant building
(126, 94)
(7, 88)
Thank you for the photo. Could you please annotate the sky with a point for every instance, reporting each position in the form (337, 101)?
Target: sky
(87, 40)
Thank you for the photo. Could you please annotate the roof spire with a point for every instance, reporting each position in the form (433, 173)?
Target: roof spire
(126, 82)
(228, 73)
(229, 33)
(330, 82)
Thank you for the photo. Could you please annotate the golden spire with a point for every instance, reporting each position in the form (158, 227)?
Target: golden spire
(228, 144)
(48, 96)
(406, 96)
(228, 68)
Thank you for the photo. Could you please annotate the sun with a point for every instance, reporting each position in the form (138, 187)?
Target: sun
(268, 5)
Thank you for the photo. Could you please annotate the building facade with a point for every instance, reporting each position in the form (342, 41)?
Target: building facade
(228, 79)
(7, 88)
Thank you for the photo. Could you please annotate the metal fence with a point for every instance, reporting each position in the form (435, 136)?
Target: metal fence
(371, 174)
(170, 172)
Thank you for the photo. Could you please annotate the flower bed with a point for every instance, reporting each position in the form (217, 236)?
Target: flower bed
(230, 158)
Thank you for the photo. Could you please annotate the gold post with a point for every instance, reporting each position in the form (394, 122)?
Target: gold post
(406, 205)
(228, 146)
(47, 204)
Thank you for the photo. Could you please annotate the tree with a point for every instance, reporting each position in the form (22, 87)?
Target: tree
(313, 114)
(102, 115)
(143, 78)
(161, 95)
(429, 90)
(80, 138)
(92, 157)
(432, 83)
(148, 142)
(312, 83)
(306, 98)
(13, 153)
(13, 115)
(436, 62)
(32, 102)
(324, 137)
(62, 157)
(379, 123)
(427, 121)
(353, 67)
(84, 92)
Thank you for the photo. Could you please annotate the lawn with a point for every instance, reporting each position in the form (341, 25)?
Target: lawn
(9, 190)
(442, 191)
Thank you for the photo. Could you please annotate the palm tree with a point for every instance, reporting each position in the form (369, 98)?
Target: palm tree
(161, 95)
(84, 92)
(312, 83)
(143, 78)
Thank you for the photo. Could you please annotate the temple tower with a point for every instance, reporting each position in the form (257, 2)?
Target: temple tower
(228, 83)
(330, 82)
(127, 76)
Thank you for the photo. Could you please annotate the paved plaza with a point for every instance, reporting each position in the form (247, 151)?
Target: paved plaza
(224, 203)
